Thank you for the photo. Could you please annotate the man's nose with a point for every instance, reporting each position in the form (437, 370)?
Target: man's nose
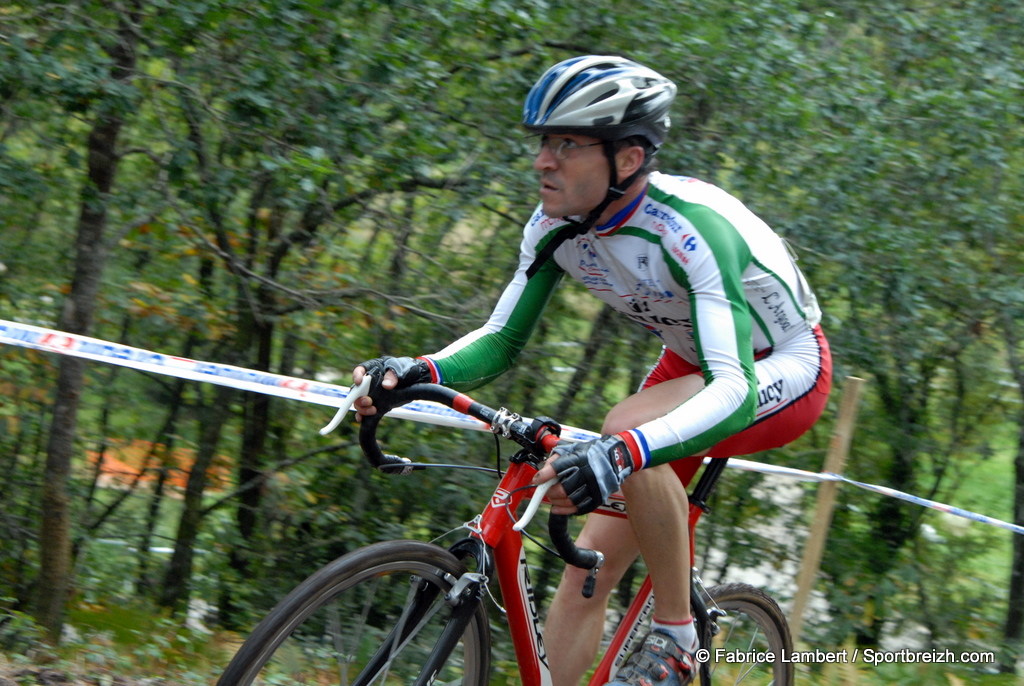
(545, 159)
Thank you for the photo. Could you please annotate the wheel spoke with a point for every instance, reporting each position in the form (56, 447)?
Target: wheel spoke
(371, 617)
(752, 625)
(345, 654)
(411, 601)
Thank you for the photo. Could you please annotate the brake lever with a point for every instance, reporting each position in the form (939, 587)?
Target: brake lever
(590, 560)
(355, 392)
(534, 504)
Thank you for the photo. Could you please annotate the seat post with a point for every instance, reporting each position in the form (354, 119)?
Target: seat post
(706, 483)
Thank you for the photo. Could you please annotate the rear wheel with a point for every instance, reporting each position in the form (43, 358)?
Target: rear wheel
(373, 616)
(752, 640)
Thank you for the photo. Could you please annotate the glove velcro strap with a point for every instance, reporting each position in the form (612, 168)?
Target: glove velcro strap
(636, 450)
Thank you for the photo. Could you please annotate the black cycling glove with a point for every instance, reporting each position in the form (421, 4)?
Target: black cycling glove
(592, 470)
(408, 371)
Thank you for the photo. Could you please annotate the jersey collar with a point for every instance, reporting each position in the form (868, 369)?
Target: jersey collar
(621, 217)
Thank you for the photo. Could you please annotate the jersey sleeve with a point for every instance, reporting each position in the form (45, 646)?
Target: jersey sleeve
(709, 264)
(482, 355)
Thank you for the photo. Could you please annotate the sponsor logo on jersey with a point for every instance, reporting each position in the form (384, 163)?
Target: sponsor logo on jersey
(776, 305)
(596, 282)
(669, 220)
(590, 263)
(641, 313)
(770, 397)
(638, 306)
(546, 222)
(680, 255)
(650, 288)
(593, 273)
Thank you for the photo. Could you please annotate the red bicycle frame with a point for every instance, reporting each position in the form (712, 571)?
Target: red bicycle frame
(494, 528)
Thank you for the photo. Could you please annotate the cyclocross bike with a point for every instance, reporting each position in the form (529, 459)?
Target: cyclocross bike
(410, 612)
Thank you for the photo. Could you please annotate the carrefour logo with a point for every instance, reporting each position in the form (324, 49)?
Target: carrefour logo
(689, 242)
(665, 222)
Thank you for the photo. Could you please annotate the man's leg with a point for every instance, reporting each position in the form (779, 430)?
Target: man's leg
(574, 624)
(657, 502)
(658, 514)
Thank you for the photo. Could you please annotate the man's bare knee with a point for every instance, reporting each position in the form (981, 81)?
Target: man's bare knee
(572, 587)
(651, 403)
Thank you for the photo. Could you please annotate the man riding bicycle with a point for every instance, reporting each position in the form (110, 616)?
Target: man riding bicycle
(744, 367)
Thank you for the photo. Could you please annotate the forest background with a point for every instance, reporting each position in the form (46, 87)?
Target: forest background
(295, 186)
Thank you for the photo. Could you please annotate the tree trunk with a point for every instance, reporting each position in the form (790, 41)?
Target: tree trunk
(254, 438)
(55, 543)
(163, 448)
(54, 578)
(894, 523)
(1013, 628)
(175, 592)
(156, 499)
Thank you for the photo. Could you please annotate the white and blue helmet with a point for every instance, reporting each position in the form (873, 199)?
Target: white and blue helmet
(606, 97)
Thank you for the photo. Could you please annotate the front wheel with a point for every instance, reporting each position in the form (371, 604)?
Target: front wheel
(753, 638)
(373, 616)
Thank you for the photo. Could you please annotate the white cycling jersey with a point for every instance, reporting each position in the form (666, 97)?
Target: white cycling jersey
(693, 265)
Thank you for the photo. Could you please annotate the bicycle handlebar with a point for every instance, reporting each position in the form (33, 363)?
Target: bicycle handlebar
(538, 437)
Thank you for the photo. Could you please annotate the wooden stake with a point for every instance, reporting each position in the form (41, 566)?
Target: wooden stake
(835, 461)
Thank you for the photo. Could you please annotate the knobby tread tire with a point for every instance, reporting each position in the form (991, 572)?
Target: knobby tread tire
(762, 608)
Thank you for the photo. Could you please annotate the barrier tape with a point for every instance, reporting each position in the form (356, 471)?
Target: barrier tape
(801, 475)
(61, 343)
(318, 392)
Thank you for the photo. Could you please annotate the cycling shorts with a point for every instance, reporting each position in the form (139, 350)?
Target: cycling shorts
(792, 389)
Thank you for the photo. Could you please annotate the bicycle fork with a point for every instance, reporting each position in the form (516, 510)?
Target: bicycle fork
(421, 604)
(463, 598)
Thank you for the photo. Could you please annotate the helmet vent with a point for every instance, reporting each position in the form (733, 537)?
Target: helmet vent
(607, 97)
(604, 96)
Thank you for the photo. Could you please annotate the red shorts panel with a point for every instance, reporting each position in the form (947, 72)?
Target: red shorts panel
(771, 431)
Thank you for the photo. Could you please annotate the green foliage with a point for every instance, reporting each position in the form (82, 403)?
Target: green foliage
(19, 633)
(306, 184)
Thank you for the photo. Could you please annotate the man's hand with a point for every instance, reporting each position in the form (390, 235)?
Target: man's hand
(589, 472)
(387, 373)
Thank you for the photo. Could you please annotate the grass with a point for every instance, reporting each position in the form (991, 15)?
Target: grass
(988, 488)
(132, 644)
(903, 675)
(134, 639)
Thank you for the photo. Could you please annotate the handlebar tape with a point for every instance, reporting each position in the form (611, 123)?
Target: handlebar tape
(558, 527)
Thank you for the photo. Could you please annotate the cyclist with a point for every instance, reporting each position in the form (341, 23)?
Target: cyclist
(744, 365)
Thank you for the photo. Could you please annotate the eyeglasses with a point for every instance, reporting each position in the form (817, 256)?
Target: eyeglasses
(560, 147)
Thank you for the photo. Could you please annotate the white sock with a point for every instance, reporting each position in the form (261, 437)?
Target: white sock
(684, 632)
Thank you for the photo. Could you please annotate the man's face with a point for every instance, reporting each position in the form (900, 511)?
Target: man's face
(574, 185)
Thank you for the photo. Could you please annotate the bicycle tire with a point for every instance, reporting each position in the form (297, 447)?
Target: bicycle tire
(752, 627)
(336, 621)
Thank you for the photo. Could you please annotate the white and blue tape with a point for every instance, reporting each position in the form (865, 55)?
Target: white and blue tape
(49, 340)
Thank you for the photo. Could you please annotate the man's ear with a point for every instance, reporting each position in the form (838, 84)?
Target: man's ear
(628, 160)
